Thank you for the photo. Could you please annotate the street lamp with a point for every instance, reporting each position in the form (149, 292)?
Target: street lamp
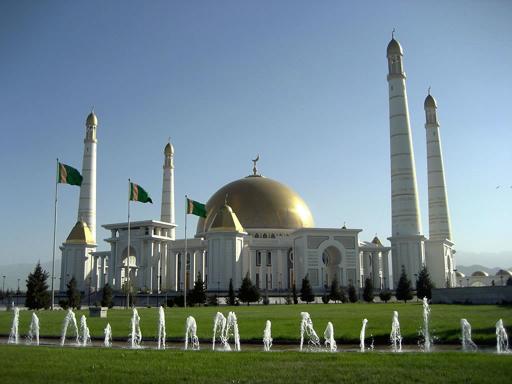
(18, 292)
(3, 289)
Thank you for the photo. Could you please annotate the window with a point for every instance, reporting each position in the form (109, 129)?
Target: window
(258, 258)
(258, 280)
(269, 259)
(257, 236)
(264, 235)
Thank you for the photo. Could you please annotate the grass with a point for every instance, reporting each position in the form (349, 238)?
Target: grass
(346, 318)
(98, 365)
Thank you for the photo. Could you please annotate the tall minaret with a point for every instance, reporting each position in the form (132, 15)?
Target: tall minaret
(439, 250)
(167, 214)
(87, 203)
(438, 214)
(406, 238)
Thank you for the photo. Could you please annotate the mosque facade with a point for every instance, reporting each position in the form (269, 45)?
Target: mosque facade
(259, 227)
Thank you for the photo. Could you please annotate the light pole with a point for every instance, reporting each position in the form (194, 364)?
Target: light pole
(18, 292)
(3, 289)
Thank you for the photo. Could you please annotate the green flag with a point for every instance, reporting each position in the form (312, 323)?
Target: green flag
(195, 208)
(137, 193)
(68, 175)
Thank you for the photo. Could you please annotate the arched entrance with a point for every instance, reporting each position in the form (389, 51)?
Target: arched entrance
(331, 258)
(131, 263)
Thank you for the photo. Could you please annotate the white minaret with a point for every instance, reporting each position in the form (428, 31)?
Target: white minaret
(406, 239)
(439, 247)
(167, 213)
(438, 214)
(87, 203)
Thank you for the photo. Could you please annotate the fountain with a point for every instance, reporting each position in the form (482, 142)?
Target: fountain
(70, 318)
(136, 334)
(232, 330)
(362, 335)
(501, 338)
(306, 329)
(467, 343)
(329, 342)
(427, 341)
(191, 334)
(219, 325)
(267, 336)
(14, 336)
(33, 332)
(395, 336)
(108, 336)
(161, 328)
(225, 328)
(86, 334)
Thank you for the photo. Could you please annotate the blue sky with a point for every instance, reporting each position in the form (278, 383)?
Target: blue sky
(302, 83)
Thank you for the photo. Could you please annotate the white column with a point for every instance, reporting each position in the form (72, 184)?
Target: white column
(87, 202)
(167, 211)
(406, 238)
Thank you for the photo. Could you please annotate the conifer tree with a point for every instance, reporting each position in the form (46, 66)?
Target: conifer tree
(403, 289)
(385, 295)
(424, 285)
(368, 290)
(106, 296)
(73, 294)
(231, 293)
(198, 294)
(38, 295)
(337, 293)
(248, 292)
(306, 292)
(352, 294)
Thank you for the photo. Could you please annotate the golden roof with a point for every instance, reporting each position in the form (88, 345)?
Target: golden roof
(394, 48)
(80, 234)
(225, 220)
(91, 120)
(259, 202)
(169, 150)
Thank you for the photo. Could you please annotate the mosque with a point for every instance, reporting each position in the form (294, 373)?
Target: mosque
(258, 226)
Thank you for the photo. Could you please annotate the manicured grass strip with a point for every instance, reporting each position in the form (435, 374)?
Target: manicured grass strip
(99, 365)
(346, 318)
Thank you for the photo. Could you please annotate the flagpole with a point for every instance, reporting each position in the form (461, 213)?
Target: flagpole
(54, 233)
(128, 252)
(185, 259)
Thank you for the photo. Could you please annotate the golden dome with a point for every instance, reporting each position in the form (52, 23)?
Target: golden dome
(225, 220)
(169, 150)
(394, 48)
(91, 120)
(259, 203)
(80, 234)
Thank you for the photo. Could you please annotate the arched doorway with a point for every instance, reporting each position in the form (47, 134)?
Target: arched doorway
(331, 258)
(130, 264)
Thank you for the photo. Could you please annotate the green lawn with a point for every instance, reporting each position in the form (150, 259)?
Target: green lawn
(22, 364)
(346, 318)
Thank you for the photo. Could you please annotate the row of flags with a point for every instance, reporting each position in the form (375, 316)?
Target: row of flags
(69, 175)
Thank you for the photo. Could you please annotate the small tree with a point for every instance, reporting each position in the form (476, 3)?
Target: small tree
(352, 294)
(306, 292)
(248, 292)
(385, 295)
(231, 294)
(403, 288)
(424, 285)
(106, 296)
(38, 295)
(294, 294)
(368, 290)
(73, 294)
(198, 294)
(337, 293)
